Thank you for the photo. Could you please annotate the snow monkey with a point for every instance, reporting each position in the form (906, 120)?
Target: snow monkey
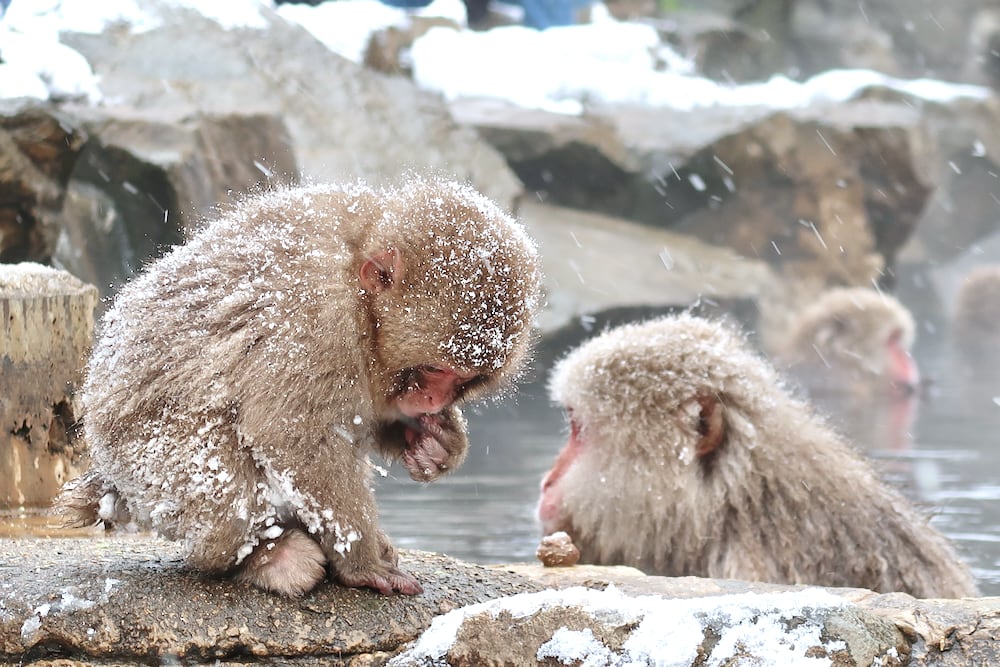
(686, 456)
(855, 340)
(239, 383)
(976, 323)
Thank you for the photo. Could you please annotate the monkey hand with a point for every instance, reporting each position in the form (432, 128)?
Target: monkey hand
(435, 444)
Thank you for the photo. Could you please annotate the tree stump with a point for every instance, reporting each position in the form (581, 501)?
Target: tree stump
(45, 333)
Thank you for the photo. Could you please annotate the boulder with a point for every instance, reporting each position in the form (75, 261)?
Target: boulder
(45, 331)
(129, 599)
(146, 177)
(924, 41)
(825, 195)
(587, 626)
(126, 599)
(38, 149)
(600, 270)
(345, 121)
(962, 160)
(98, 191)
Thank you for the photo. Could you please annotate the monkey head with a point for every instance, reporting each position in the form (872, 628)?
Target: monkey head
(687, 456)
(657, 411)
(976, 325)
(855, 336)
(452, 285)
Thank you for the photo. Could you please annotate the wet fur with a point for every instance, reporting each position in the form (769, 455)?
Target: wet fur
(782, 498)
(238, 384)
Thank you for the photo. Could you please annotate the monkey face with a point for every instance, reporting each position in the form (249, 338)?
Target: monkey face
(856, 337)
(430, 389)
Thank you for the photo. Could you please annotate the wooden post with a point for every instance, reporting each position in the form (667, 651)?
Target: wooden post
(45, 335)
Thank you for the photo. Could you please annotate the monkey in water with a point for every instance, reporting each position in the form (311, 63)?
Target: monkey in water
(686, 456)
(240, 381)
(975, 325)
(852, 340)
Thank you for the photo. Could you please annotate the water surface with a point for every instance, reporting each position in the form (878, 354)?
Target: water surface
(947, 459)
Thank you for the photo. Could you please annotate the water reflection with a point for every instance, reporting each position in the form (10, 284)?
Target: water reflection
(942, 451)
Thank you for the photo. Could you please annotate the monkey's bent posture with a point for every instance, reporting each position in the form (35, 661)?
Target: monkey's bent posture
(687, 457)
(853, 340)
(239, 383)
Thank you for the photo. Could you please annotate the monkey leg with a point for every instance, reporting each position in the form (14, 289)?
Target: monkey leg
(289, 565)
(370, 561)
(382, 575)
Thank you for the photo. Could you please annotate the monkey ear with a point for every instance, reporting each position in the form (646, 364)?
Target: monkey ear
(382, 271)
(711, 426)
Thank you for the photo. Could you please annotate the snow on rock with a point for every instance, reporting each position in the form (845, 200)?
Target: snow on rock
(561, 69)
(783, 629)
(38, 66)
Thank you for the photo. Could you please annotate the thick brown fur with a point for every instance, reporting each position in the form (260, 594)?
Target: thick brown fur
(239, 383)
(692, 459)
(839, 342)
(976, 320)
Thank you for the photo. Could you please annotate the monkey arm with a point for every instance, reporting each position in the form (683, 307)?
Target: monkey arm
(429, 446)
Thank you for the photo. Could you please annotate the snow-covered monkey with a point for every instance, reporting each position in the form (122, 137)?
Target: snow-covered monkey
(239, 383)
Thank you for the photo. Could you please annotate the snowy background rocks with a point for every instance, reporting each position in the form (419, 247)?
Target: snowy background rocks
(154, 111)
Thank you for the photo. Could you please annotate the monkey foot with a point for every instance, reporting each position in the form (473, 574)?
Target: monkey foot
(387, 580)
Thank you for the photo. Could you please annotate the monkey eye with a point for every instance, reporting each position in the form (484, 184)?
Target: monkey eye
(431, 370)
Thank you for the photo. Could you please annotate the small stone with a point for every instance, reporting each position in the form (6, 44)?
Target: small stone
(557, 550)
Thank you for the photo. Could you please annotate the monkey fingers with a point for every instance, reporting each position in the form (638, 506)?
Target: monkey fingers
(426, 460)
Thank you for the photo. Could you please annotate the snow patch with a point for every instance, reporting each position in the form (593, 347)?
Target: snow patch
(668, 632)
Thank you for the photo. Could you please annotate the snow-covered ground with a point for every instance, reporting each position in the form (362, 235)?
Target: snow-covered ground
(770, 630)
(559, 69)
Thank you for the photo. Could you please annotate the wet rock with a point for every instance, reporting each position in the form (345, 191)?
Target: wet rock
(38, 148)
(98, 191)
(144, 178)
(45, 331)
(557, 550)
(345, 121)
(130, 599)
(602, 270)
(827, 195)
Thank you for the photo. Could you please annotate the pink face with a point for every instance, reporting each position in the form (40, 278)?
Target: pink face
(430, 389)
(550, 503)
(902, 370)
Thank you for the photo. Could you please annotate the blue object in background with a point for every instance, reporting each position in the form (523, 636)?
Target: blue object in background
(538, 14)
